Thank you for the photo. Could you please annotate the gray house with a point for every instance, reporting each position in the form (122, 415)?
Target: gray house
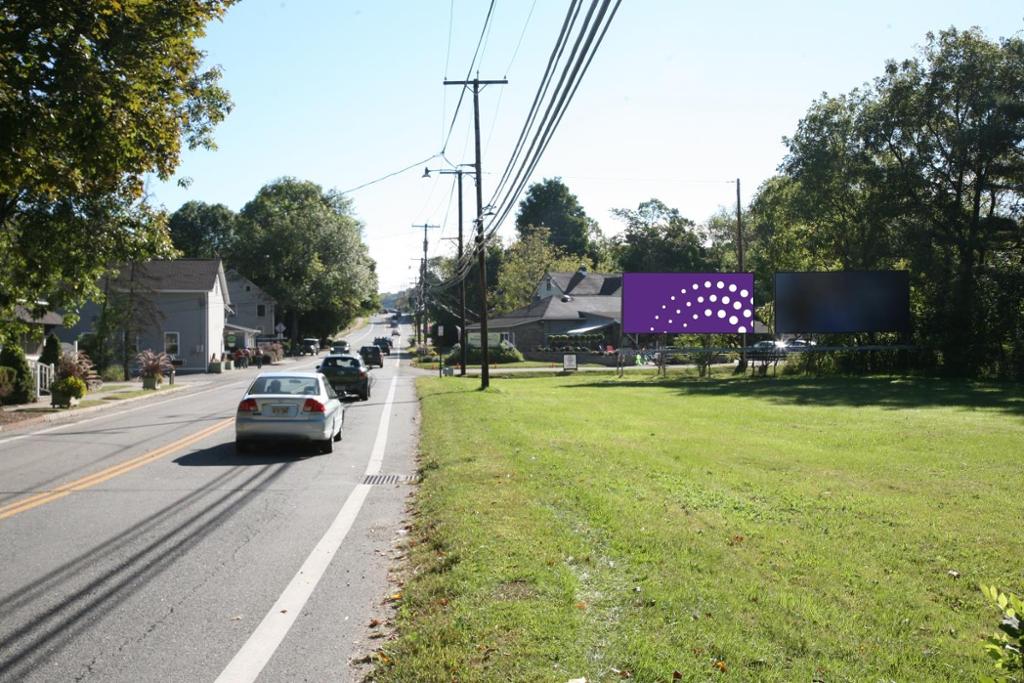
(251, 307)
(178, 307)
(563, 303)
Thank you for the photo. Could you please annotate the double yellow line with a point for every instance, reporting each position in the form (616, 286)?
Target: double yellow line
(44, 497)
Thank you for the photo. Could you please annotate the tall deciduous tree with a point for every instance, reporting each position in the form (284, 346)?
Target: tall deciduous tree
(304, 247)
(523, 265)
(924, 169)
(549, 204)
(658, 239)
(94, 96)
(201, 230)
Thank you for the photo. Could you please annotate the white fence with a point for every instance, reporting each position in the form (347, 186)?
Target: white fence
(43, 375)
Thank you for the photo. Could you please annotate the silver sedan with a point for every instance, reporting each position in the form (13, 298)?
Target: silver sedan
(289, 406)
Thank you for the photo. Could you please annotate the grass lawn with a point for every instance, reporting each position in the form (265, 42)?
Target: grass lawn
(772, 530)
(514, 364)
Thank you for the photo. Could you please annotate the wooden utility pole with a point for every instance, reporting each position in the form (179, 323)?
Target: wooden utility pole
(485, 375)
(423, 280)
(739, 251)
(462, 283)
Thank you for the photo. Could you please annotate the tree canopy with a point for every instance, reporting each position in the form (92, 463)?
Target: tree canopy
(201, 230)
(549, 204)
(523, 265)
(304, 247)
(658, 239)
(93, 98)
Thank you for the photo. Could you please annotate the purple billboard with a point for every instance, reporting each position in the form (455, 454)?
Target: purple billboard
(687, 303)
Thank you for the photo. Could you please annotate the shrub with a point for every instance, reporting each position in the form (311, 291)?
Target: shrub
(154, 364)
(75, 364)
(51, 351)
(1006, 648)
(112, 373)
(71, 386)
(6, 382)
(505, 353)
(24, 389)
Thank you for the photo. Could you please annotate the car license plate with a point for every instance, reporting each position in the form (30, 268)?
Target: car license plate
(280, 410)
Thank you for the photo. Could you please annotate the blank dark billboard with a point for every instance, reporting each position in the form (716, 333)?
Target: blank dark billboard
(877, 301)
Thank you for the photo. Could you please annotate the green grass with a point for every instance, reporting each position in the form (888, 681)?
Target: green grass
(789, 529)
(513, 364)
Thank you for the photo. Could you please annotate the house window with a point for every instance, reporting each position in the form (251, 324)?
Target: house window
(261, 310)
(171, 344)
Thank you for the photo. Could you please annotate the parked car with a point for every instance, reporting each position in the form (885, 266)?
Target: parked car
(289, 406)
(309, 345)
(768, 350)
(347, 375)
(341, 347)
(371, 355)
(800, 344)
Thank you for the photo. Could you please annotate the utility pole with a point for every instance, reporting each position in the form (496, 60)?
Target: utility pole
(423, 280)
(462, 283)
(485, 374)
(739, 251)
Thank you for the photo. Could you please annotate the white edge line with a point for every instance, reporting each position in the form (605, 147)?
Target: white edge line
(249, 661)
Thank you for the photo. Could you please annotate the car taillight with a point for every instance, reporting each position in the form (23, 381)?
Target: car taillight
(248, 406)
(362, 374)
(313, 406)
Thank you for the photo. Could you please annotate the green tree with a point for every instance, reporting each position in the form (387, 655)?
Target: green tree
(923, 169)
(658, 239)
(12, 356)
(200, 230)
(305, 248)
(51, 350)
(523, 265)
(549, 204)
(94, 97)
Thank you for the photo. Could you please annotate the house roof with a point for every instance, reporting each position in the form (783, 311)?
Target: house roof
(179, 275)
(554, 308)
(48, 318)
(233, 275)
(582, 282)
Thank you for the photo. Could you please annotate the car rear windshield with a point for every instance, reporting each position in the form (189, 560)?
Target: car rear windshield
(340, 363)
(297, 386)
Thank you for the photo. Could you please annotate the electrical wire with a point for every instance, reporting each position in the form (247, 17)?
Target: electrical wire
(469, 72)
(515, 52)
(393, 174)
(579, 62)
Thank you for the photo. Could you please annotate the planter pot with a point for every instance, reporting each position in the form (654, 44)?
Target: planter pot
(228, 364)
(215, 367)
(149, 382)
(58, 399)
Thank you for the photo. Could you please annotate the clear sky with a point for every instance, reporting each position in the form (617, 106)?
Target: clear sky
(681, 98)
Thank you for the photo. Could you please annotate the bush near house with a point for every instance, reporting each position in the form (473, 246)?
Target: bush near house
(24, 390)
(505, 353)
(6, 382)
(70, 386)
(51, 350)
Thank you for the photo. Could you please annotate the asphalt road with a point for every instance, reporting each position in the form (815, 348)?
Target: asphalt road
(137, 546)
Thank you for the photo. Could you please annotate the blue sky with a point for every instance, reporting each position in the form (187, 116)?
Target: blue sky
(681, 98)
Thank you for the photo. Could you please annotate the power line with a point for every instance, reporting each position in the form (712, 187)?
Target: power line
(515, 52)
(469, 72)
(393, 174)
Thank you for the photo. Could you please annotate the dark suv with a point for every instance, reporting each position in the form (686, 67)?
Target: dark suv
(371, 355)
(309, 345)
(384, 344)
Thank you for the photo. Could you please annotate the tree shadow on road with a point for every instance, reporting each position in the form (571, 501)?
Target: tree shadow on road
(883, 392)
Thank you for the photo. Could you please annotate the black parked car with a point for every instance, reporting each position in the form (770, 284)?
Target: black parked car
(371, 355)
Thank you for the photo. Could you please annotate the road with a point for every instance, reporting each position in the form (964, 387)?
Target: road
(137, 546)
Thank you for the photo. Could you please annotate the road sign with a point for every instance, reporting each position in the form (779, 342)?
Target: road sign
(279, 328)
(569, 362)
(440, 330)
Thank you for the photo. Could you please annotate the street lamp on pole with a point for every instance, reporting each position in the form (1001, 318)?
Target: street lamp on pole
(462, 285)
